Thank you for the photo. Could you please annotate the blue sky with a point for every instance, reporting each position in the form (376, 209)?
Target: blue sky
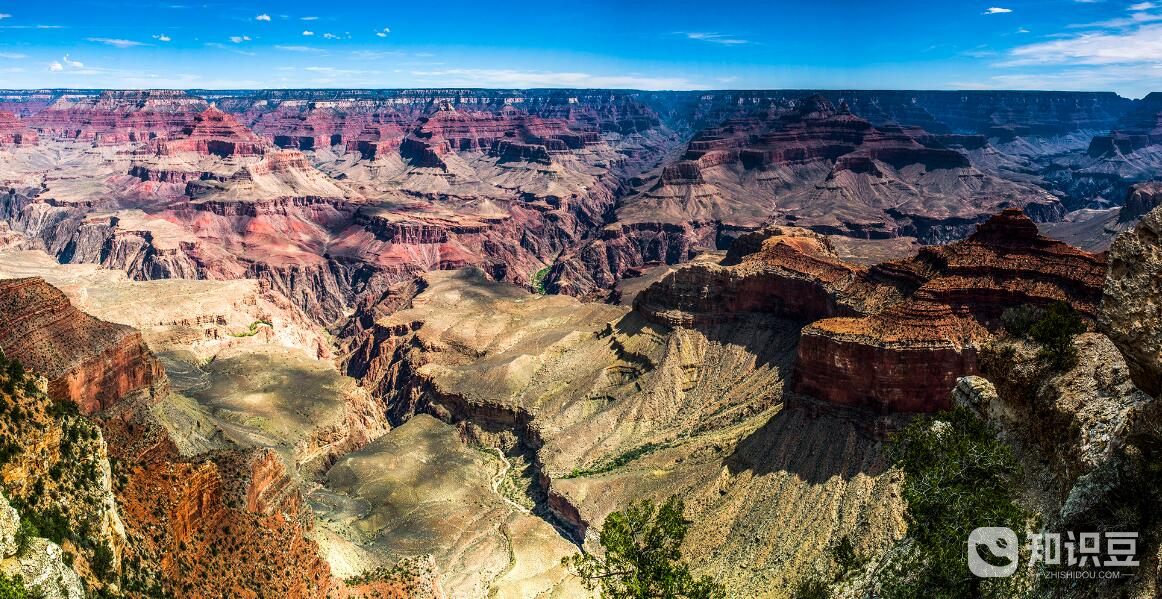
(675, 44)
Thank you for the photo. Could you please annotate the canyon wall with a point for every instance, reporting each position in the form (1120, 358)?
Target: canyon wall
(87, 361)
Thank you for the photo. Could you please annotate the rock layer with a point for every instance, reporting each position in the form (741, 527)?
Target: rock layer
(907, 356)
(893, 337)
(87, 361)
(805, 163)
(14, 133)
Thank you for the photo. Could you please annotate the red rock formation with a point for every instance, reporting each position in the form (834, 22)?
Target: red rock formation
(14, 133)
(375, 141)
(509, 134)
(233, 523)
(117, 116)
(212, 132)
(893, 337)
(1140, 200)
(907, 356)
(789, 272)
(88, 361)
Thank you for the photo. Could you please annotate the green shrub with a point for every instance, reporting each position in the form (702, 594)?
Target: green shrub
(812, 587)
(1055, 331)
(1018, 320)
(643, 556)
(13, 588)
(25, 533)
(957, 477)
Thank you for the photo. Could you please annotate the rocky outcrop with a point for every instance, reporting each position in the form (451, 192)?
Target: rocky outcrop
(1087, 439)
(905, 357)
(1131, 313)
(212, 132)
(1140, 128)
(1130, 152)
(1140, 200)
(893, 337)
(14, 133)
(792, 273)
(54, 466)
(87, 361)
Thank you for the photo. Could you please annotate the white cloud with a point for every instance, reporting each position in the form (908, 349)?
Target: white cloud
(162, 38)
(262, 17)
(117, 43)
(993, 10)
(1142, 6)
(1132, 81)
(309, 18)
(1142, 45)
(4, 15)
(229, 48)
(238, 39)
(523, 79)
(297, 49)
(13, 55)
(1135, 18)
(1022, 30)
(714, 38)
(383, 32)
(374, 54)
(308, 33)
(65, 63)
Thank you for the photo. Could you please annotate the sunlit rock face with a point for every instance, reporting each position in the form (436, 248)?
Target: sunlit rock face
(87, 361)
(892, 337)
(906, 357)
(115, 117)
(14, 132)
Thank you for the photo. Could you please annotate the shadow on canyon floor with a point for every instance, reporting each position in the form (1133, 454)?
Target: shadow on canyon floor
(815, 448)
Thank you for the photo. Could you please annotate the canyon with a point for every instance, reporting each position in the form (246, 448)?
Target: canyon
(420, 343)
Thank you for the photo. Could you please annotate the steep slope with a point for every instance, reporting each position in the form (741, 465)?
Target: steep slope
(1131, 151)
(604, 406)
(15, 133)
(189, 517)
(115, 117)
(89, 362)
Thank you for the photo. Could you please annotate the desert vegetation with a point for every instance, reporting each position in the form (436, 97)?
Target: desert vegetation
(642, 556)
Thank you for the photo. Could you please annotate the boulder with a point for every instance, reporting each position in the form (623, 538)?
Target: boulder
(1131, 312)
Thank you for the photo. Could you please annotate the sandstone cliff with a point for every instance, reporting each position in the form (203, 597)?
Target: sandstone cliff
(14, 133)
(893, 337)
(87, 361)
